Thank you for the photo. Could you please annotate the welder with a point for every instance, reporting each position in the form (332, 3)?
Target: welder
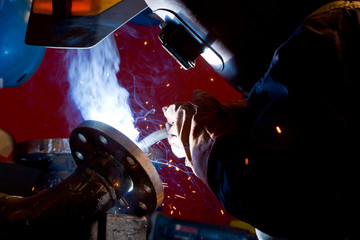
(283, 158)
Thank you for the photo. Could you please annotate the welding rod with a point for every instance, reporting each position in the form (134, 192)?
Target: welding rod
(152, 138)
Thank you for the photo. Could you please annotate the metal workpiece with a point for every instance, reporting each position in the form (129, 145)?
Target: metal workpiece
(90, 190)
(51, 156)
(96, 140)
(37, 153)
(111, 171)
(65, 211)
(82, 195)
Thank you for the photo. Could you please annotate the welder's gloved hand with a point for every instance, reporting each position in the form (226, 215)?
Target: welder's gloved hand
(195, 127)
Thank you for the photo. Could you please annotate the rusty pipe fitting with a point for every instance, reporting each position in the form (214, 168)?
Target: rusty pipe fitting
(109, 164)
(70, 207)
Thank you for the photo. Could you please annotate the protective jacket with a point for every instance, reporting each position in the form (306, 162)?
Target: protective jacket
(284, 160)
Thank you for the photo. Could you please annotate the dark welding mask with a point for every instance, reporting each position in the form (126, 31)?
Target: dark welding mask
(222, 32)
(237, 38)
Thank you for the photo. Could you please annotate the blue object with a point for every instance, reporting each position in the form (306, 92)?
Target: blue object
(18, 61)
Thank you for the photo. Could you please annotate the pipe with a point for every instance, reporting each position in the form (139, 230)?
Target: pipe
(68, 208)
(152, 138)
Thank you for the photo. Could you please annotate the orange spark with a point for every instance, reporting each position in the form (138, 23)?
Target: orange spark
(179, 196)
(278, 129)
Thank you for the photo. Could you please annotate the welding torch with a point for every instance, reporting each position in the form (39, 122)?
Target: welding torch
(152, 138)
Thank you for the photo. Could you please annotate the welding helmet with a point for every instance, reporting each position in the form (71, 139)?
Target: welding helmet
(237, 38)
(18, 61)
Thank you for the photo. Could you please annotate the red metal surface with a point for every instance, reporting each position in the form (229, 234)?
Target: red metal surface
(42, 108)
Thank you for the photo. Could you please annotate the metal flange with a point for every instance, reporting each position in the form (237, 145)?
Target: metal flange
(92, 139)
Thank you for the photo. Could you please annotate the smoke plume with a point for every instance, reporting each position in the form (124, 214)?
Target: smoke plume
(95, 89)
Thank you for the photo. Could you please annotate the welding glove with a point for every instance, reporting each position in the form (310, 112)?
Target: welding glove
(195, 127)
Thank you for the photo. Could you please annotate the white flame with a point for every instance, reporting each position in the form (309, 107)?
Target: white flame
(95, 89)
